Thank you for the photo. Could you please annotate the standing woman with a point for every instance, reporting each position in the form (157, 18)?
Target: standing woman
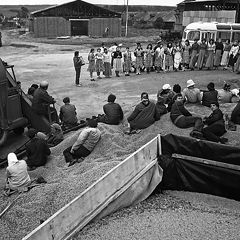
(139, 53)
(99, 62)
(107, 63)
(237, 65)
(159, 58)
(177, 52)
(91, 65)
(148, 63)
(168, 56)
(194, 54)
(233, 54)
(225, 56)
(219, 52)
(211, 50)
(202, 52)
(186, 55)
(127, 57)
(117, 61)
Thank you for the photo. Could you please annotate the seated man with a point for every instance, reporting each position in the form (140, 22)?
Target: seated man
(191, 93)
(210, 96)
(216, 125)
(68, 115)
(182, 118)
(86, 142)
(113, 112)
(55, 136)
(225, 95)
(144, 114)
(42, 100)
(166, 93)
(37, 150)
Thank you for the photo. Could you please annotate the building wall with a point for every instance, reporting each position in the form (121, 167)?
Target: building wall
(208, 16)
(51, 27)
(97, 27)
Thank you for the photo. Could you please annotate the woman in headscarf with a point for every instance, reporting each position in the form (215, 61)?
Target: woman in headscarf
(17, 174)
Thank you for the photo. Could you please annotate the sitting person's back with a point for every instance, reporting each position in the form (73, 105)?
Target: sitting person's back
(144, 114)
(37, 150)
(210, 96)
(17, 175)
(68, 115)
(225, 95)
(191, 93)
(235, 115)
(113, 112)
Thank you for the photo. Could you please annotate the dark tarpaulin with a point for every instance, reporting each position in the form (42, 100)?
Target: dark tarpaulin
(180, 174)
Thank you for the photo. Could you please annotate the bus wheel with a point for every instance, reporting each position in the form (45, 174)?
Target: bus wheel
(18, 130)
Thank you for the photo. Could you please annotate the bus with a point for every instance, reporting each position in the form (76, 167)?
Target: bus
(211, 30)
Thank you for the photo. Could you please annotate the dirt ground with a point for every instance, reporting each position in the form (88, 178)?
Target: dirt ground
(36, 61)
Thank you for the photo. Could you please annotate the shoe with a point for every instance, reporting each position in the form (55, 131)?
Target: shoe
(79, 85)
(73, 162)
(223, 140)
(99, 77)
(92, 79)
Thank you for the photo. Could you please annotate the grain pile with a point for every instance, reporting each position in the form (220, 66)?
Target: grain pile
(65, 183)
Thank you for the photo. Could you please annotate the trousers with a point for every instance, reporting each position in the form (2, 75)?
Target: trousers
(80, 152)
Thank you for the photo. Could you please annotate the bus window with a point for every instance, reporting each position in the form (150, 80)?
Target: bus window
(193, 35)
(236, 36)
(184, 35)
(224, 35)
(213, 36)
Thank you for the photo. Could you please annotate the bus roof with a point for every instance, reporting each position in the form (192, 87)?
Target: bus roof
(212, 26)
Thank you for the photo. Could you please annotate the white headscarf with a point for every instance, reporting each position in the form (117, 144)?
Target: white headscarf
(12, 159)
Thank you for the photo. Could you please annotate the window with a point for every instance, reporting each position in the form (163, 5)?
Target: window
(193, 35)
(236, 36)
(224, 35)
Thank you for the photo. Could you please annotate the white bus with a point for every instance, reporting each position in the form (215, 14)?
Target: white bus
(211, 30)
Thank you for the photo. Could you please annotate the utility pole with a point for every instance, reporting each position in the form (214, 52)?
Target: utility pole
(126, 32)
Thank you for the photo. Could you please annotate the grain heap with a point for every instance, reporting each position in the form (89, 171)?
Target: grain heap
(65, 183)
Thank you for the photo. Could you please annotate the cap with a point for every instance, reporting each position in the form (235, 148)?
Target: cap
(166, 86)
(190, 83)
(44, 84)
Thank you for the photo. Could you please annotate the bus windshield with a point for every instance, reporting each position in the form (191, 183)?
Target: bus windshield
(193, 35)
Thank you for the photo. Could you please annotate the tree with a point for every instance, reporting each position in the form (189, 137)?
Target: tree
(159, 23)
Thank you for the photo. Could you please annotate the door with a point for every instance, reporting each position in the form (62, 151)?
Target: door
(79, 27)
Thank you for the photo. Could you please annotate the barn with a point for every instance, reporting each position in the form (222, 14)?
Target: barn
(222, 11)
(76, 18)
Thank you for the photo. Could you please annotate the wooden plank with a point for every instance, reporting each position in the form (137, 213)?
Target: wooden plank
(83, 208)
(207, 162)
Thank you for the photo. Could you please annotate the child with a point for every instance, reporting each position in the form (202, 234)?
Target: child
(91, 66)
(99, 62)
(68, 115)
(127, 61)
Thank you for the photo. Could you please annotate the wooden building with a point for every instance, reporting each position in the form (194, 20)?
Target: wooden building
(75, 18)
(222, 11)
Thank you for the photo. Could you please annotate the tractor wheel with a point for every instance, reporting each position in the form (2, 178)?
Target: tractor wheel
(18, 130)
(3, 136)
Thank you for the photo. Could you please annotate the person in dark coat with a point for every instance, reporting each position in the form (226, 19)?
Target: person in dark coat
(37, 150)
(210, 96)
(176, 90)
(113, 112)
(144, 114)
(181, 117)
(216, 125)
(235, 116)
(42, 100)
(77, 62)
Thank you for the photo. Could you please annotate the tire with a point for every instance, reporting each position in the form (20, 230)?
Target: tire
(18, 130)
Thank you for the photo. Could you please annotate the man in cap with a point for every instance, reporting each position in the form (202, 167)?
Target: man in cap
(42, 100)
(191, 94)
(113, 112)
(86, 142)
(144, 114)
(37, 150)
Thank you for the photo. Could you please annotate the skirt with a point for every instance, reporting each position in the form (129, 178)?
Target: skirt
(210, 59)
(225, 58)
(159, 61)
(91, 66)
(148, 63)
(168, 61)
(127, 65)
(237, 65)
(117, 64)
(107, 69)
(193, 59)
(217, 58)
(177, 59)
(186, 57)
(232, 60)
(99, 65)
(201, 58)
(139, 62)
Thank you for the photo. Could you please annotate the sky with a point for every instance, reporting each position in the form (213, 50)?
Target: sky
(118, 2)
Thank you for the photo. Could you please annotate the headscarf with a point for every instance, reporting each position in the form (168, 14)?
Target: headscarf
(12, 159)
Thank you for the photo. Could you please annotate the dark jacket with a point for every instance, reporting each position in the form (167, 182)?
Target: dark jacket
(177, 110)
(113, 113)
(143, 116)
(209, 97)
(117, 54)
(77, 62)
(235, 116)
(41, 101)
(215, 118)
(37, 151)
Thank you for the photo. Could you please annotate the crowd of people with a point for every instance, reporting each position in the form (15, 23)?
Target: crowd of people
(209, 55)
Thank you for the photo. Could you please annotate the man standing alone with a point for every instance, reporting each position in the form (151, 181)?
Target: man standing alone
(78, 62)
